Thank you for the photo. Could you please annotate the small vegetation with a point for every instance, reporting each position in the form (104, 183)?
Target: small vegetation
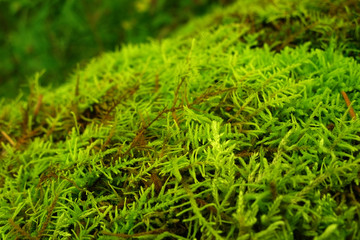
(233, 132)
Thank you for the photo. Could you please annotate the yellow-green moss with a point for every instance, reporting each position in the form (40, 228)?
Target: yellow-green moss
(206, 137)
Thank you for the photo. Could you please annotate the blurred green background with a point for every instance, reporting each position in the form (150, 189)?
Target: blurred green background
(59, 35)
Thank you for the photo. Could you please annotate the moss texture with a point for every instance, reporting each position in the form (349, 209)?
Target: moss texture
(238, 131)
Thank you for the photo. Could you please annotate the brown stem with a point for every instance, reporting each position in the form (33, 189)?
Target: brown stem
(348, 103)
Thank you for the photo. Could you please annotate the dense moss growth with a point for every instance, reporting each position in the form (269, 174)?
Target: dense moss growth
(211, 134)
(290, 23)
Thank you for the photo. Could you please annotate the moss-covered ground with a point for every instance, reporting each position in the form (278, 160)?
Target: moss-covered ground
(242, 125)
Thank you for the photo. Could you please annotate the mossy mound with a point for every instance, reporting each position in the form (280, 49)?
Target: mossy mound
(208, 137)
(281, 24)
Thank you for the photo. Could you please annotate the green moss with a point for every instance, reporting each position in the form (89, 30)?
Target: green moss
(289, 23)
(206, 137)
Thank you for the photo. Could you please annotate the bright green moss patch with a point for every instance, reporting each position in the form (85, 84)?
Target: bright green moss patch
(289, 23)
(206, 138)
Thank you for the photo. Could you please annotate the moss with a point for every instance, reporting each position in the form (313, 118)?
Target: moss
(206, 137)
(289, 23)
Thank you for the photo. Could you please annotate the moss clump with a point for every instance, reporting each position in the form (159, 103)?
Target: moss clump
(289, 23)
(208, 137)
